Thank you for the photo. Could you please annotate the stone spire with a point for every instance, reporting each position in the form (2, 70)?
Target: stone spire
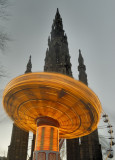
(58, 60)
(19, 140)
(57, 55)
(57, 26)
(82, 69)
(90, 148)
(29, 66)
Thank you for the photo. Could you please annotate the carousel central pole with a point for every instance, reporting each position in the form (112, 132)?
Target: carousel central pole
(47, 139)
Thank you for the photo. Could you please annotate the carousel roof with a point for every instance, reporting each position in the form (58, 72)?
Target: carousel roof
(75, 106)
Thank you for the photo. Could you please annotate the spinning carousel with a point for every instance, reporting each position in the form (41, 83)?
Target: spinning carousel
(52, 106)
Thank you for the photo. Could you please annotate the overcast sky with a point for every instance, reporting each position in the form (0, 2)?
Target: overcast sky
(89, 25)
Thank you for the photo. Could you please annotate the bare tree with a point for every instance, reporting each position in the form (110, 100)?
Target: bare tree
(4, 38)
(3, 15)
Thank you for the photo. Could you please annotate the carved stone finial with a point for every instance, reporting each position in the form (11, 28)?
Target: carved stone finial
(57, 13)
(80, 59)
(48, 40)
(57, 10)
(29, 66)
(81, 69)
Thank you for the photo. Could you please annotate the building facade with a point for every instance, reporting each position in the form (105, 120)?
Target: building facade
(58, 60)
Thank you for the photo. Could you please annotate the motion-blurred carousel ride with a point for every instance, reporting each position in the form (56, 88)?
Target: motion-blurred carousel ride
(52, 106)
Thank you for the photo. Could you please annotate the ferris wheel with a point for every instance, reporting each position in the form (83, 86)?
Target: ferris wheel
(106, 137)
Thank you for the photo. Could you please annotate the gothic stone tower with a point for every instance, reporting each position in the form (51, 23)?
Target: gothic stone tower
(90, 149)
(19, 140)
(57, 55)
(58, 60)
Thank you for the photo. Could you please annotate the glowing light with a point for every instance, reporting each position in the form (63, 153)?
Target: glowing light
(47, 138)
(70, 102)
